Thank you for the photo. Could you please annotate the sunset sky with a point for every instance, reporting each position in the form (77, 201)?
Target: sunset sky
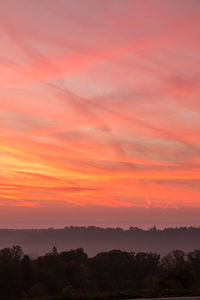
(99, 112)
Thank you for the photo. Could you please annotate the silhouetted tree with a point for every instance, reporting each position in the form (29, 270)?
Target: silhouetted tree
(175, 271)
(27, 272)
(11, 280)
(194, 265)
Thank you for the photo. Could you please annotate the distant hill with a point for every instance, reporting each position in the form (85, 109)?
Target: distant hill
(95, 239)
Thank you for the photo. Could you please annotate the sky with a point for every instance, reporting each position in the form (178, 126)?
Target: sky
(99, 113)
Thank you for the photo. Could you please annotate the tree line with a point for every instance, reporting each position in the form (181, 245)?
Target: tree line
(73, 275)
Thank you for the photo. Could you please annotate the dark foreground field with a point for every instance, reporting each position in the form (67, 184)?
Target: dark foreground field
(112, 296)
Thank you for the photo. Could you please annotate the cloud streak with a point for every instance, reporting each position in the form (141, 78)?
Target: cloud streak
(99, 103)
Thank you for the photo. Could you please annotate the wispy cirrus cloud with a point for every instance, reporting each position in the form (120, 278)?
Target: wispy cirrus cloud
(99, 103)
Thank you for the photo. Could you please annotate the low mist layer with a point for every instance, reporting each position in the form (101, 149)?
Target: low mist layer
(95, 239)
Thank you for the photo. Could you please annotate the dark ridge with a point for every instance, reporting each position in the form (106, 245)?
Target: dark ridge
(96, 239)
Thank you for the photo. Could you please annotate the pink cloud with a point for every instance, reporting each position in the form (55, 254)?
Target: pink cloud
(99, 104)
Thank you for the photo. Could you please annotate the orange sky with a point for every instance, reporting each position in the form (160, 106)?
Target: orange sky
(99, 112)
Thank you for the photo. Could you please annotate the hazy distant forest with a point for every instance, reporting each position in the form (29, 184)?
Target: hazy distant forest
(94, 239)
(108, 275)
